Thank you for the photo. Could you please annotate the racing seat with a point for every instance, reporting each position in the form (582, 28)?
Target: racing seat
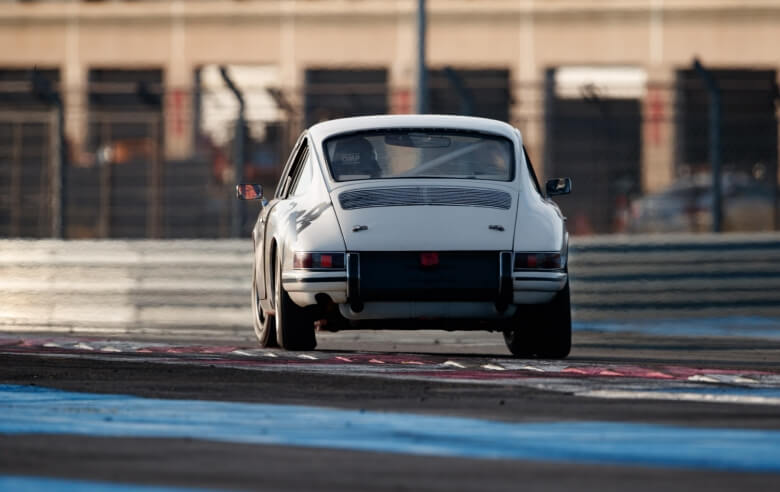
(354, 158)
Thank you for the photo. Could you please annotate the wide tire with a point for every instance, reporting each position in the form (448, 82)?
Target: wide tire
(265, 328)
(294, 325)
(544, 333)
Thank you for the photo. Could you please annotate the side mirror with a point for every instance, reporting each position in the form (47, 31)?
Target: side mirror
(249, 191)
(558, 186)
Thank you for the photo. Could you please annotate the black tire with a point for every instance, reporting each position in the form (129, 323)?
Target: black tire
(294, 326)
(544, 333)
(265, 329)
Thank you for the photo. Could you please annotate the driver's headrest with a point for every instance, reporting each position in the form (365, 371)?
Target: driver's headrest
(354, 151)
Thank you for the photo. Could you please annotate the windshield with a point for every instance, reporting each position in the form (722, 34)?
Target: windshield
(419, 153)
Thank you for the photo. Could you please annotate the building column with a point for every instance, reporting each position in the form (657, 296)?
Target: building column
(290, 72)
(73, 87)
(528, 93)
(402, 76)
(179, 75)
(658, 131)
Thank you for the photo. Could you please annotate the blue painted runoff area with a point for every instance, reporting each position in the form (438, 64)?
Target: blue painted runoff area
(35, 410)
(732, 326)
(18, 483)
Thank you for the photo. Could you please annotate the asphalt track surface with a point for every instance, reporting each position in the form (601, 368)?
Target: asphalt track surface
(612, 387)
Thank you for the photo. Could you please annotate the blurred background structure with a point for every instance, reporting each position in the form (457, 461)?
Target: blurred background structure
(135, 118)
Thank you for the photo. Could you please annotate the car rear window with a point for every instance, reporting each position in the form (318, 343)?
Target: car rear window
(420, 153)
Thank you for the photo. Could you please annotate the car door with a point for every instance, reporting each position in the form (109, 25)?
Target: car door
(273, 214)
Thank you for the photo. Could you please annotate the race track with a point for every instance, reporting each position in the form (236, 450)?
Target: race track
(684, 403)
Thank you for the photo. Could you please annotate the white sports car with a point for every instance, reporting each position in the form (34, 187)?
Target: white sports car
(411, 221)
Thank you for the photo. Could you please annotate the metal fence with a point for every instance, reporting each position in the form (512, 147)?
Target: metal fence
(638, 158)
(28, 167)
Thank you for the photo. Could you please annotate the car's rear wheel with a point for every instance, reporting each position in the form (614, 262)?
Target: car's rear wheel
(545, 332)
(294, 324)
(265, 329)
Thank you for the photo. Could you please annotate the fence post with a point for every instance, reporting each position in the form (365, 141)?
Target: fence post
(239, 211)
(154, 183)
(104, 181)
(15, 190)
(715, 141)
(422, 69)
(59, 175)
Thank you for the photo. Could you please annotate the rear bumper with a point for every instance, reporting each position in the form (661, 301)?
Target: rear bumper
(534, 287)
(527, 287)
(304, 286)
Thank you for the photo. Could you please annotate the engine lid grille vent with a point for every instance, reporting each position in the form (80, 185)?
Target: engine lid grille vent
(402, 196)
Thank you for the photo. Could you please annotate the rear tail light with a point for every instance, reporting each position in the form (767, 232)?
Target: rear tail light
(318, 261)
(537, 261)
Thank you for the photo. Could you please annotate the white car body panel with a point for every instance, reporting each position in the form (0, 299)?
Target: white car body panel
(426, 228)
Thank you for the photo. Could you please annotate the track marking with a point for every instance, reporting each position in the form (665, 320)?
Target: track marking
(36, 410)
(610, 373)
(574, 377)
(682, 396)
(658, 375)
(244, 353)
(29, 484)
(452, 363)
(700, 378)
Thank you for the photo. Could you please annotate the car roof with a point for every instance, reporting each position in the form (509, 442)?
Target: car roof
(321, 131)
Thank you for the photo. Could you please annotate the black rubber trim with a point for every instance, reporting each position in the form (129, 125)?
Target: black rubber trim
(545, 279)
(505, 291)
(314, 280)
(353, 282)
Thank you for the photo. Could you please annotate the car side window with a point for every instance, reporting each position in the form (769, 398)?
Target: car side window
(531, 172)
(302, 181)
(286, 183)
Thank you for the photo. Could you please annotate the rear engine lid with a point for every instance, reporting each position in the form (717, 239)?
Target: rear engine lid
(426, 217)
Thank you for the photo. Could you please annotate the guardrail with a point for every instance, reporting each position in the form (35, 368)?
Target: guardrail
(204, 285)
(188, 287)
(630, 277)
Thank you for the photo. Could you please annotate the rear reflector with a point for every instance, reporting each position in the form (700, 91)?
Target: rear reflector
(429, 260)
(536, 261)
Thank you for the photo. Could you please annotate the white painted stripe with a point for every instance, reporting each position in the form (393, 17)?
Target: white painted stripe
(682, 396)
(700, 378)
(452, 363)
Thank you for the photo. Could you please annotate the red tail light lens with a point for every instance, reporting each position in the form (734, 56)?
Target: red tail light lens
(318, 261)
(429, 260)
(536, 261)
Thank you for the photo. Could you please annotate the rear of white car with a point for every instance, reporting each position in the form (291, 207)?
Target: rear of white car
(442, 221)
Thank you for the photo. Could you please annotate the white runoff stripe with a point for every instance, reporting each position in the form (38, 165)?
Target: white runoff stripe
(713, 397)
